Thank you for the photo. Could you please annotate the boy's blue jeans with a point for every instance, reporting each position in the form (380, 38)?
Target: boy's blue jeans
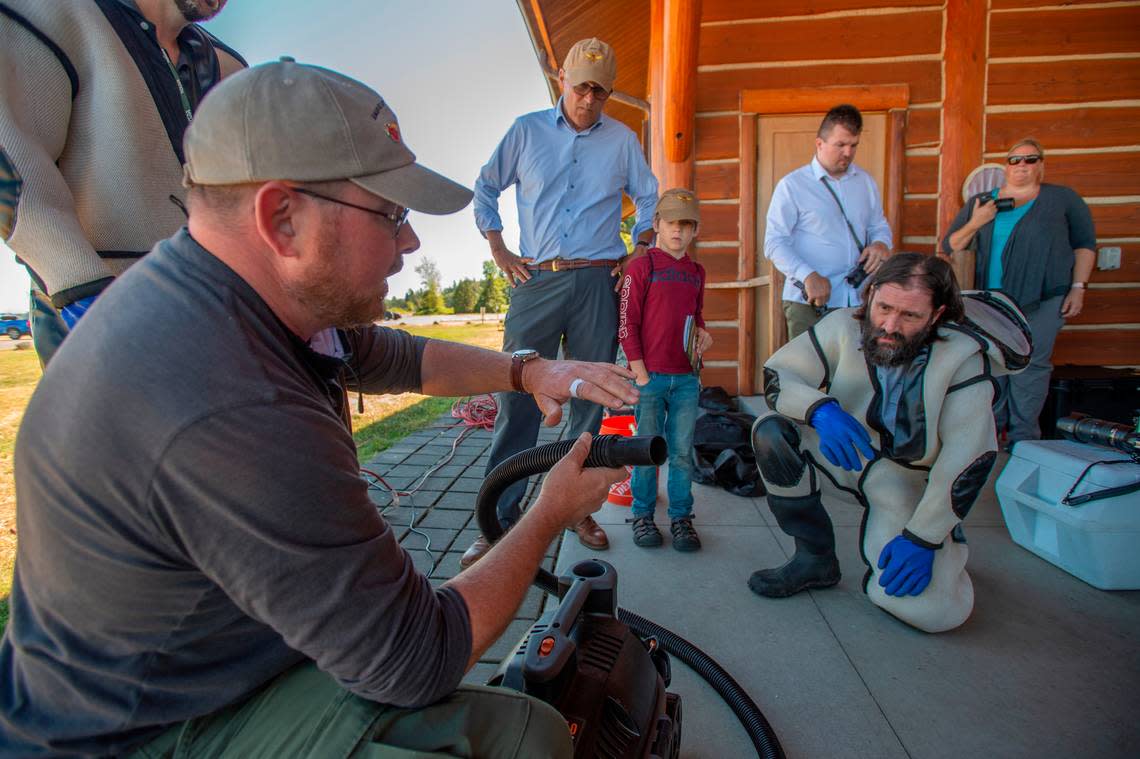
(668, 406)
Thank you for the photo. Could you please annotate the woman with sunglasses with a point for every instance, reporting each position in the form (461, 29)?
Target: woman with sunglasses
(1034, 242)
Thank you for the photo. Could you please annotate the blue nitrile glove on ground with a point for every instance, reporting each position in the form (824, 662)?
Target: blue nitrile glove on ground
(841, 437)
(74, 310)
(906, 567)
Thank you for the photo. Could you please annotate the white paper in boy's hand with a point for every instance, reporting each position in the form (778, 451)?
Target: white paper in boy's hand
(691, 337)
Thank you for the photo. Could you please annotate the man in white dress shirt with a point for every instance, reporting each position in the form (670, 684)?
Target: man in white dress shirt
(826, 229)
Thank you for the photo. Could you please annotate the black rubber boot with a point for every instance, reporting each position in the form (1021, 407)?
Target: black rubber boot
(814, 564)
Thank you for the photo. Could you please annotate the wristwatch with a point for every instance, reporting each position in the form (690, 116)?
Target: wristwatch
(1078, 286)
(518, 358)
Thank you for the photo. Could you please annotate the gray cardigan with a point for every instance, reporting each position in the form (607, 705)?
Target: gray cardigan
(1037, 263)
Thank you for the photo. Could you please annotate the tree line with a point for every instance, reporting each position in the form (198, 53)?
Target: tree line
(463, 297)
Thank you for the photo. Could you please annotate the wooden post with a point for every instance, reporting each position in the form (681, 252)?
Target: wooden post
(893, 181)
(746, 336)
(674, 37)
(657, 104)
(963, 109)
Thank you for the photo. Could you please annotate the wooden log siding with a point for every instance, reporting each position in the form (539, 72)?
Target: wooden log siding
(1070, 77)
(1065, 71)
(836, 42)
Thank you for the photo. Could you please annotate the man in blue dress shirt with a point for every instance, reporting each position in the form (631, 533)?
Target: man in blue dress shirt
(570, 165)
(825, 222)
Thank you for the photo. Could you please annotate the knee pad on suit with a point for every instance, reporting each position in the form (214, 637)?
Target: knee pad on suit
(776, 443)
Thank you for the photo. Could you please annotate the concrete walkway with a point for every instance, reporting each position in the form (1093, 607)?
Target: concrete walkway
(1046, 666)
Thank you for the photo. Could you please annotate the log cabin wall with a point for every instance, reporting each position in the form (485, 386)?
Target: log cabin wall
(1070, 77)
(1067, 74)
(748, 45)
(1064, 71)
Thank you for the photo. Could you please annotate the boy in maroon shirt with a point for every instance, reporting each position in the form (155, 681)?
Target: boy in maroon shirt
(662, 333)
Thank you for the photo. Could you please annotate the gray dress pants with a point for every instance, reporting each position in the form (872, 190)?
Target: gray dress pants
(577, 310)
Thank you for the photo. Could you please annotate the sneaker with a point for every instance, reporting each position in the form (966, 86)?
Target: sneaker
(684, 536)
(645, 533)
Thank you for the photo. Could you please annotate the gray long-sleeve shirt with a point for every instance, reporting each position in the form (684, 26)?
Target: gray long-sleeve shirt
(192, 521)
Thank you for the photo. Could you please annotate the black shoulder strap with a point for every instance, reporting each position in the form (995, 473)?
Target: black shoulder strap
(858, 245)
(217, 43)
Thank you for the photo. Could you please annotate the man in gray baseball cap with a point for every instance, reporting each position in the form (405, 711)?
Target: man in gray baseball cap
(201, 570)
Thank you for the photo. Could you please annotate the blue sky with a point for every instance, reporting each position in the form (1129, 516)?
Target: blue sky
(456, 72)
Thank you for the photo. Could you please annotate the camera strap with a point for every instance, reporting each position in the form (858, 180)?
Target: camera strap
(858, 246)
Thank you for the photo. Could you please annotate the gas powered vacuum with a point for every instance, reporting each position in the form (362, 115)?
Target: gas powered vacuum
(606, 669)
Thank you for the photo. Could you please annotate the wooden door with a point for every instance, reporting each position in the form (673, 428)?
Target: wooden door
(783, 144)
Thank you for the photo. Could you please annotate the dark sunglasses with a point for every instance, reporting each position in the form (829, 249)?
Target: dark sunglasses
(583, 89)
(398, 218)
(1013, 160)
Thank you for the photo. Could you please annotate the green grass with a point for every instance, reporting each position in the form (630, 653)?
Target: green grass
(381, 434)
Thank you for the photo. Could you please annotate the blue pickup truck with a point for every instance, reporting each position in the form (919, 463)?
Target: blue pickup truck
(15, 326)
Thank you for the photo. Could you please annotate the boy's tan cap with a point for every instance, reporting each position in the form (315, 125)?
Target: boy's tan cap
(291, 121)
(679, 204)
(591, 61)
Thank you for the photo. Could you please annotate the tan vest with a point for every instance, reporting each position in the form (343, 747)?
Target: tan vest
(98, 169)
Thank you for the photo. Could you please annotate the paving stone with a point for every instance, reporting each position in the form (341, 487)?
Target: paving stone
(466, 485)
(464, 457)
(448, 566)
(467, 536)
(444, 518)
(386, 458)
(421, 499)
(481, 673)
(441, 539)
(456, 501)
(506, 644)
(401, 516)
(532, 604)
(381, 498)
(423, 460)
(423, 563)
(449, 470)
(400, 481)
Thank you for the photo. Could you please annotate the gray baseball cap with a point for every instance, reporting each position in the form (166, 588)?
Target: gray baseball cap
(292, 121)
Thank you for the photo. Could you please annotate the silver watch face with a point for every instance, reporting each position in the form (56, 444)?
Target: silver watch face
(525, 354)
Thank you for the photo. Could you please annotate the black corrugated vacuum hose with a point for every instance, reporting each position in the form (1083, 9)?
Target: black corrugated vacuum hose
(615, 451)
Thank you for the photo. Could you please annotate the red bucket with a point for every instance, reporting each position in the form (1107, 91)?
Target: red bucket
(626, 426)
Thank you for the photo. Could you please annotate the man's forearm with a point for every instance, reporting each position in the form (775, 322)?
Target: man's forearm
(453, 369)
(494, 587)
(495, 239)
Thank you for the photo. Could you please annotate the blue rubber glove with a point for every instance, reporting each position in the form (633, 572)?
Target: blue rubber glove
(74, 310)
(841, 437)
(906, 567)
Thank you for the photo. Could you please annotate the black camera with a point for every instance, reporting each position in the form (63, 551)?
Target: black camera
(856, 276)
(1003, 204)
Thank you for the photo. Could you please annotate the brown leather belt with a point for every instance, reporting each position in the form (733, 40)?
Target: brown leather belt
(565, 264)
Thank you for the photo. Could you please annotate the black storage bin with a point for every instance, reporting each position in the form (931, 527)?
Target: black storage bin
(1110, 394)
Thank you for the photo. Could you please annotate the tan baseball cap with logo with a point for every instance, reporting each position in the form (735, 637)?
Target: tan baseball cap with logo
(591, 61)
(291, 121)
(679, 204)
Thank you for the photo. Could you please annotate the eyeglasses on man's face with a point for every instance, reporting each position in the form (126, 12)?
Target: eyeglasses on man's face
(585, 88)
(397, 218)
(1031, 159)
